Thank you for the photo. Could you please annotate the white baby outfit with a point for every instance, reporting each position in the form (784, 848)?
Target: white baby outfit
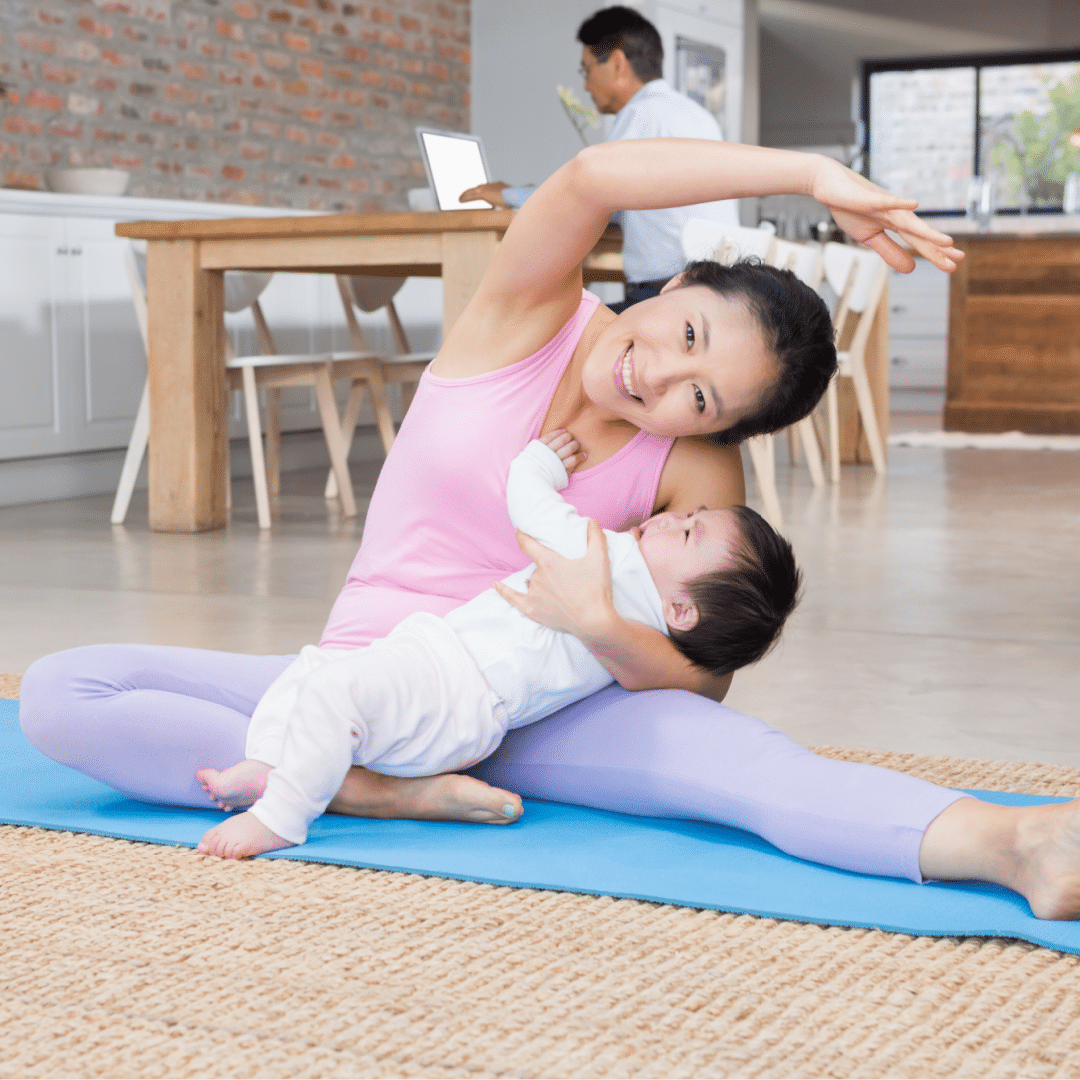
(438, 695)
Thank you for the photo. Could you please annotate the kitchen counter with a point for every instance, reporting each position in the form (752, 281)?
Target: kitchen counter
(1014, 327)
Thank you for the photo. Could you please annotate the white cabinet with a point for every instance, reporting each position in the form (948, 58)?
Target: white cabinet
(32, 288)
(72, 363)
(918, 328)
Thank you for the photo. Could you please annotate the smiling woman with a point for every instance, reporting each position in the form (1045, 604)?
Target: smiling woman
(654, 397)
(732, 351)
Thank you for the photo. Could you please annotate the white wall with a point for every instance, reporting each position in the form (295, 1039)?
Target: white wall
(521, 50)
(810, 51)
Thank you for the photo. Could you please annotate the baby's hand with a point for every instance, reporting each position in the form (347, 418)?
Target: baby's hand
(566, 446)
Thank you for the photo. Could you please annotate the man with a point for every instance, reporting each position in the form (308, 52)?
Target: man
(621, 62)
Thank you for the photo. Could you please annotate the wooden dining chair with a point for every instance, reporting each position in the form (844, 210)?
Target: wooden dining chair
(859, 277)
(368, 294)
(806, 262)
(268, 370)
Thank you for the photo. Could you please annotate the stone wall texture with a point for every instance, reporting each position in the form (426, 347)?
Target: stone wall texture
(308, 104)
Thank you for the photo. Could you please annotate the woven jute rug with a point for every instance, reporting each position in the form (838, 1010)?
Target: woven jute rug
(135, 960)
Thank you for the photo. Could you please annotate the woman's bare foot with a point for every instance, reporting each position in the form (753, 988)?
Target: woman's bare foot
(450, 797)
(1034, 850)
(1048, 851)
(237, 787)
(240, 838)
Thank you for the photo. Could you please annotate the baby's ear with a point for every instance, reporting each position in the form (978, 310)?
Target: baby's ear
(674, 283)
(681, 613)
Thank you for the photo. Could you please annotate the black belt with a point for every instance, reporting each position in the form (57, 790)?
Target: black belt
(638, 285)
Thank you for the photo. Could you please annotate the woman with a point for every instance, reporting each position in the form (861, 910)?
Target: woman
(641, 392)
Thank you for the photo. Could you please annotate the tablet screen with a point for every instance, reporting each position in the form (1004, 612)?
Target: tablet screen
(456, 165)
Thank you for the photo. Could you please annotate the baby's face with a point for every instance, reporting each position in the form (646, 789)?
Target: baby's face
(678, 548)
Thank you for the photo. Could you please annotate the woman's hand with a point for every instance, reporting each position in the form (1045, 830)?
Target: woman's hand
(864, 211)
(569, 595)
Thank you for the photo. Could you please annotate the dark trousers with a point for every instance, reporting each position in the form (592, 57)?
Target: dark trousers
(638, 291)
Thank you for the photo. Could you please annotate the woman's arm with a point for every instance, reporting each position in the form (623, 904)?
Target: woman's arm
(574, 596)
(559, 225)
(533, 284)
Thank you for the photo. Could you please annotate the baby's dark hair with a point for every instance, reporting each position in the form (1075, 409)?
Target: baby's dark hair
(798, 332)
(743, 608)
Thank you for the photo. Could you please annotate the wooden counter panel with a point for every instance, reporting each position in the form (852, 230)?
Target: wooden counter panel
(990, 416)
(1014, 336)
(1023, 349)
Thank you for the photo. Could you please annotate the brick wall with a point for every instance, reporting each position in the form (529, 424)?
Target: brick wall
(308, 104)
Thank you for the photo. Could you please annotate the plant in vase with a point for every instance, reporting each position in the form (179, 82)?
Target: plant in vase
(576, 113)
(1041, 150)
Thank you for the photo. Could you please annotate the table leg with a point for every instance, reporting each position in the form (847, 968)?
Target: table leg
(466, 257)
(188, 408)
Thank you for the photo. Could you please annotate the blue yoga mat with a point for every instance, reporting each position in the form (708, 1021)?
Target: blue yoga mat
(556, 846)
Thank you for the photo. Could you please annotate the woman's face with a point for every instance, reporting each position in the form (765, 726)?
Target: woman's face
(686, 362)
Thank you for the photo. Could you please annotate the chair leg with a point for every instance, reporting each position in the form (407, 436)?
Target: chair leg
(812, 451)
(761, 454)
(348, 430)
(136, 450)
(793, 446)
(408, 392)
(335, 443)
(258, 462)
(865, 398)
(383, 417)
(832, 399)
(273, 441)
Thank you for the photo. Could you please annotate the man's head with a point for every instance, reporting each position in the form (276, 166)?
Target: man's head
(621, 51)
(727, 580)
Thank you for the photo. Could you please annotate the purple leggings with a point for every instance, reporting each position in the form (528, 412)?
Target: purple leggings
(142, 718)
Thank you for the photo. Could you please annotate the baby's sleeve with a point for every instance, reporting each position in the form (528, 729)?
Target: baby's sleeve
(536, 507)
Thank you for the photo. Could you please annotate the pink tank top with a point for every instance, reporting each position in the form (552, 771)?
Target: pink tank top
(437, 532)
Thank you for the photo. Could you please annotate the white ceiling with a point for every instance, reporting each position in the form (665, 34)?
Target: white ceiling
(835, 38)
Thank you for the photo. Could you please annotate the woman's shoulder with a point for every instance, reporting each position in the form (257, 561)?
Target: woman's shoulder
(701, 472)
(491, 334)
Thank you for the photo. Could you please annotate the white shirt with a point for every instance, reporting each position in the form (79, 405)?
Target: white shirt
(651, 238)
(533, 669)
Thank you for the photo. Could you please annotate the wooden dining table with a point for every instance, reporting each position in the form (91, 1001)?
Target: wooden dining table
(185, 265)
(186, 261)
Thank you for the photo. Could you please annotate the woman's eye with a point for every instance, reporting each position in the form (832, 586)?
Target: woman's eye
(689, 336)
(699, 399)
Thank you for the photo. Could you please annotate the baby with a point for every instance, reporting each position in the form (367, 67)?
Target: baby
(438, 695)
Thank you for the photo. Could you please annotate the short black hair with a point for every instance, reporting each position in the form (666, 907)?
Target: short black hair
(623, 28)
(743, 608)
(798, 332)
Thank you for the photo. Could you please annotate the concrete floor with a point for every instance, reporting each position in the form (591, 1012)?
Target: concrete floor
(941, 612)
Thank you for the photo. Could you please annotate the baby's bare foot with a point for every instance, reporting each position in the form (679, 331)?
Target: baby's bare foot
(240, 838)
(450, 797)
(237, 787)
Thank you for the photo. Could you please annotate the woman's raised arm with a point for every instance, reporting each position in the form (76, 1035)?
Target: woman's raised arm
(541, 253)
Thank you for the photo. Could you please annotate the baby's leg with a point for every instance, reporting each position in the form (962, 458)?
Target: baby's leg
(239, 786)
(412, 704)
(311, 753)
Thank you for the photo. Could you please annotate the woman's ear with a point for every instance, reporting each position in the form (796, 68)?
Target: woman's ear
(674, 283)
(680, 612)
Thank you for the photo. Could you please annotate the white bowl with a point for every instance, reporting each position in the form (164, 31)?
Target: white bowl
(87, 181)
(422, 198)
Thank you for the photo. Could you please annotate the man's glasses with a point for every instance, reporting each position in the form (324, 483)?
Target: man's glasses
(585, 72)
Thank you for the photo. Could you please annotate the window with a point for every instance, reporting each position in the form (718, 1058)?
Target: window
(932, 124)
